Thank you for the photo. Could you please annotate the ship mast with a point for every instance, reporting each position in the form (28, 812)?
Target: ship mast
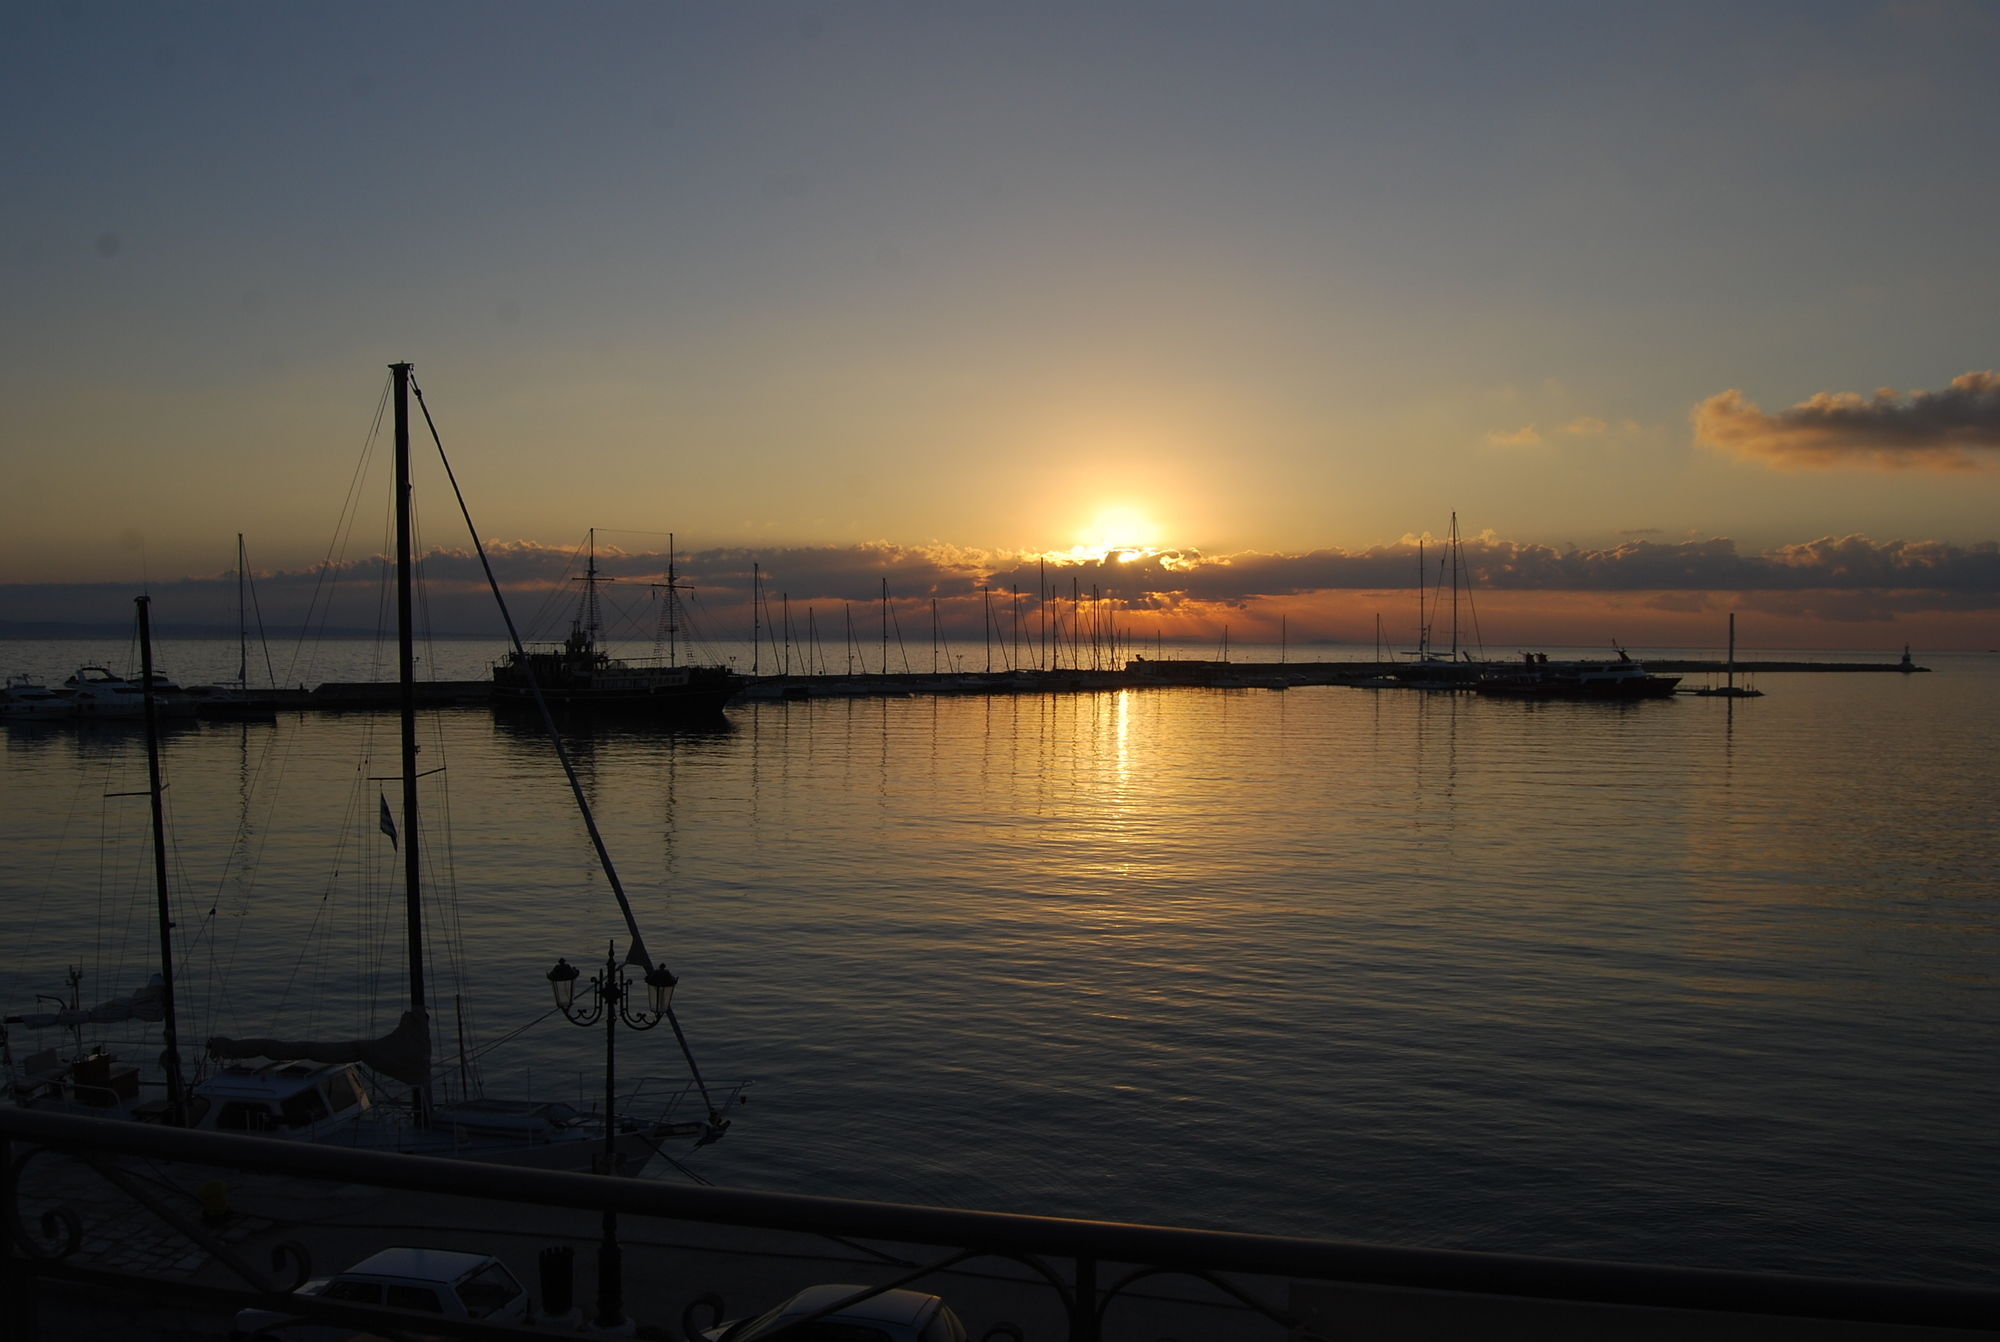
(406, 679)
(242, 624)
(170, 1054)
(1454, 585)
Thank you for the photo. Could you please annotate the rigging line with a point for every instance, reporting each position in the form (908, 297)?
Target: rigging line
(511, 1036)
(714, 1114)
(263, 641)
(444, 953)
(556, 599)
(636, 951)
(343, 529)
(657, 1150)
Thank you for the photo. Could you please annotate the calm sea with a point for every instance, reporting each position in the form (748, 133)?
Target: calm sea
(1689, 981)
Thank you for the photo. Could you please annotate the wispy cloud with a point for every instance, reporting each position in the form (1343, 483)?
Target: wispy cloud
(1924, 430)
(1525, 436)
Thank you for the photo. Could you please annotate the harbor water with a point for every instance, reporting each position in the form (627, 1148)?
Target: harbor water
(1691, 981)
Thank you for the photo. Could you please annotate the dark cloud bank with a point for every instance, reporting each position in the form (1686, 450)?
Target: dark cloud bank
(1849, 577)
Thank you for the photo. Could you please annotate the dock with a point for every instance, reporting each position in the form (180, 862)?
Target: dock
(1138, 674)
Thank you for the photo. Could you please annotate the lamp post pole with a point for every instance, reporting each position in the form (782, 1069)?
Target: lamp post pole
(610, 1258)
(610, 998)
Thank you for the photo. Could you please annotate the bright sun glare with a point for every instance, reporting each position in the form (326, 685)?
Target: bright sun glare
(1118, 526)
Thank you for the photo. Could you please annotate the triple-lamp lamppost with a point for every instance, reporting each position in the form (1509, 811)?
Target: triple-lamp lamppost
(609, 998)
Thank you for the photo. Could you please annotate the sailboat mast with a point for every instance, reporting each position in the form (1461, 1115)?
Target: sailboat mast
(1732, 649)
(673, 608)
(406, 679)
(1423, 625)
(590, 591)
(170, 1055)
(1454, 586)
(242, 628)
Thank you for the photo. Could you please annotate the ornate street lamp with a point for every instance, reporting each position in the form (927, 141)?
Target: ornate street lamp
(609, 998)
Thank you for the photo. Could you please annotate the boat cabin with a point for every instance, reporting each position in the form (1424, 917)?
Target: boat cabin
(283, 1099)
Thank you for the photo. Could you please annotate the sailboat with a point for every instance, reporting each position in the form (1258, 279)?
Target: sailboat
(93, 1082)
(1729, 689)
(339, 1091)
(235, 698)
(1429, 669)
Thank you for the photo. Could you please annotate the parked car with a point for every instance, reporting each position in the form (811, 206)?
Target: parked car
(888, 1316)
(435, 1281)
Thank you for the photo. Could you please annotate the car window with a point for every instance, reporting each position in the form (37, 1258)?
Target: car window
(492, 1287)
(354, 1292)
(415, 1297)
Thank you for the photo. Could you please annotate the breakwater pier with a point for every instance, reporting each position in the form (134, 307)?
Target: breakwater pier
(1138, 674)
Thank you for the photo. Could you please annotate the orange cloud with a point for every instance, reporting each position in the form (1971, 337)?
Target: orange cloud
(1924, 430)
(1525, 436)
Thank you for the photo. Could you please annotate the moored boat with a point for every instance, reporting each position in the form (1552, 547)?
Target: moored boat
(1729, 689)
(1433, 666)
(95, 692)
(27, 698)
(1536, 677)
(579, 674)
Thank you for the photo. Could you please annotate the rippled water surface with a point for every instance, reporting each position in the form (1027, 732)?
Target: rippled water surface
(1685, 981)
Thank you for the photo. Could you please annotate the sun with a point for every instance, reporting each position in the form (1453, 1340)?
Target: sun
(1118, 526)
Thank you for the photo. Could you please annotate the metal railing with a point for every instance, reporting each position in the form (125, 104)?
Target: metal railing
(1086, 1266)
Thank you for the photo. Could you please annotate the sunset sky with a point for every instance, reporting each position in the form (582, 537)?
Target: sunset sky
(1683, 308)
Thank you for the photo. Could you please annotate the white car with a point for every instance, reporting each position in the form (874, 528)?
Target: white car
(888, 1316)
(435, 1281)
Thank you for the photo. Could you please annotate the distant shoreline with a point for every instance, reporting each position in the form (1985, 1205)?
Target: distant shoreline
(46, 630)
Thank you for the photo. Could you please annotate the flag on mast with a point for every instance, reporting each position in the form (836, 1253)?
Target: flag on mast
(388, 822)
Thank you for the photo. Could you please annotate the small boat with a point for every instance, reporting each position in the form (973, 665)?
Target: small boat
(27, 698)
(234, 699)
(1539, 678)
(1729, 689)
(95, 692)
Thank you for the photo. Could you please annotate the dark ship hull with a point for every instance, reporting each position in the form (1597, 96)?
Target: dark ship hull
(585, 679)
(1540, 678)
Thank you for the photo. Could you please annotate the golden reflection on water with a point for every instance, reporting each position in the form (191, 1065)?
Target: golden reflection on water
(1648, 982)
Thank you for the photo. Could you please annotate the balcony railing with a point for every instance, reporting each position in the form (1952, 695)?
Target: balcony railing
(1036, 1277)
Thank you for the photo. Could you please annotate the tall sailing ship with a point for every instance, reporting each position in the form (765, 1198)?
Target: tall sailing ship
(579, 674)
